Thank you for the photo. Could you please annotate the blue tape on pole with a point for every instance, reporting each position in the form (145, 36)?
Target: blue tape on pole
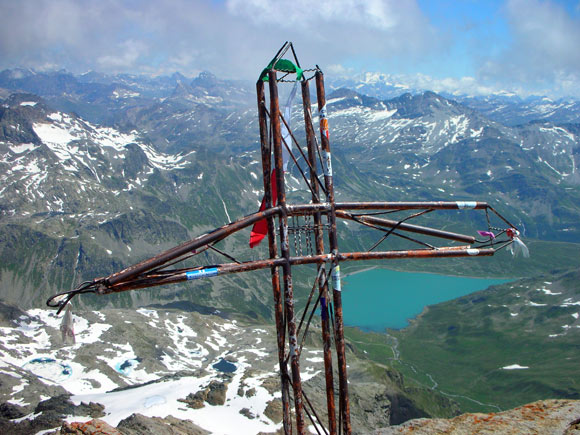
(202, 273)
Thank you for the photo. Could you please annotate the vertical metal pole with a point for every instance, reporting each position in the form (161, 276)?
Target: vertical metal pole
(333, 240)
(278, 309)
(319, 238)
(285, 251)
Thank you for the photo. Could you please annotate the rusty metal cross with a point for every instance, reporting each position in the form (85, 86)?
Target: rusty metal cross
(318, 232)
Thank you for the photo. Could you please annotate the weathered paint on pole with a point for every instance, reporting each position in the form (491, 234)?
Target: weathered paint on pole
(319, 243)
(273, 252)
(226, 230)
(285, 253)
(177, 276)
(187, 247)
(333, 240)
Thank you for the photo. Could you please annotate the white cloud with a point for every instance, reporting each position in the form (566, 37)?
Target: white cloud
(543, 55)
(423, 82)
(452, 85)
(125, 56)
(342, 28)
(339, 70)
(236, 38)
(304, 14)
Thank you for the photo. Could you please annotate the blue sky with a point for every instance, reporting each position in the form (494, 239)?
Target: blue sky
(469, 46)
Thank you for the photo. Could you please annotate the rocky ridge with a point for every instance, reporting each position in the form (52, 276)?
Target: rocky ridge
(542, 417)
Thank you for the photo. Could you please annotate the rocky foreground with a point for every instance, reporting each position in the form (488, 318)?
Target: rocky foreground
(159, 371)
(542, 417)
(217, 372)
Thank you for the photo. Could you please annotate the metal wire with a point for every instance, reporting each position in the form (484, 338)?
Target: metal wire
(391, 230)
(228, 256)
(60, 300)
(320, 270)
(315, 414)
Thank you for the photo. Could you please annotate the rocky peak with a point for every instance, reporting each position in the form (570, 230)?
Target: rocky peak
(205, 79)
(415, 106)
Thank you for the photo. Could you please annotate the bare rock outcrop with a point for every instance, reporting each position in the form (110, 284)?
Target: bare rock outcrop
(136, 424)
(542, 417)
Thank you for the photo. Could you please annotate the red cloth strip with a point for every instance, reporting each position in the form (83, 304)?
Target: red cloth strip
(260, 228)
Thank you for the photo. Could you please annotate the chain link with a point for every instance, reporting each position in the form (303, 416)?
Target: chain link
(308, 234)
(306, 230)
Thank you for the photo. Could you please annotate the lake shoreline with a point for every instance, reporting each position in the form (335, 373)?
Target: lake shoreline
(366, 269)
(410, 322)
(385, 298)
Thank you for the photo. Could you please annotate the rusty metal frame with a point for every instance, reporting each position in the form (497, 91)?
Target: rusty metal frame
(155, 271)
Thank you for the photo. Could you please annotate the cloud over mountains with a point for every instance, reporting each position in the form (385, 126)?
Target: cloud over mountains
(522, 46)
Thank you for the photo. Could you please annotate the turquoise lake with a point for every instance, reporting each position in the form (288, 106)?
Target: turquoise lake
(381, 298)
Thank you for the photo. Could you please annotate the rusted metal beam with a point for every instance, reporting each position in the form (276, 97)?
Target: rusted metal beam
(187, 247)
(319, 243)
(333, 241)
(436, 205)
(407, 227)
(285, 253)
(182, 275)
(273, 252)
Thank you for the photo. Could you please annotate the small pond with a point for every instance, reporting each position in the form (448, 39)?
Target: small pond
(225, 366)
(49, 368)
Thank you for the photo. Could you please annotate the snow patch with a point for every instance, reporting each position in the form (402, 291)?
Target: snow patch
(515, 367)
(19, 149)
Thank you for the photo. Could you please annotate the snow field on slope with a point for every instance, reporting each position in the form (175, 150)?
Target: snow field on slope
(34, 344)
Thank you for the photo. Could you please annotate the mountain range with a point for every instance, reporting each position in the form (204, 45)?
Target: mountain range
(501, 106)
(82, 196)
(98, 172)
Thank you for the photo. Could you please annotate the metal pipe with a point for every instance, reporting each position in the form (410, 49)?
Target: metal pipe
(408, 227)
(229, 268)
(273, 252)
(333, 239)
(319, 242)
(285, 252)
(184, 248)
(436, 205)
